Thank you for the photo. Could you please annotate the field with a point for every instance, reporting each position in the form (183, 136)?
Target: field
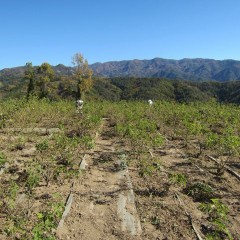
(175, 167)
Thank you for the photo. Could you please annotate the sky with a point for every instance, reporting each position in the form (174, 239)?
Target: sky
(112, 30)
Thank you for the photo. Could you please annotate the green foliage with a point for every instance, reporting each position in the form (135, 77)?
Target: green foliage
(178, 178)
(155, 220)
(149, 167)
(46, 221)
(45, 73)
(42, 146)
(212, 139)
(87, 142)
(15, 226)
(17, 82)
(200, 191)
(215, 209)
(34, 171)
(3, 159)
(217, 213)
(29, 74)
(8, 197)
(134, 123)
(230, 143)
(2, 121)
(158, 141)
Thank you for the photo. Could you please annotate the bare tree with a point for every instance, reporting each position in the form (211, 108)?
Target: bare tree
(83, 75)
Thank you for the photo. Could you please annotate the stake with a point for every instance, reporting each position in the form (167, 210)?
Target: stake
(189, 217)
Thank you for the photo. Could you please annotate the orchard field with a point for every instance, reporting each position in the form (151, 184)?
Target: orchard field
(182, 159)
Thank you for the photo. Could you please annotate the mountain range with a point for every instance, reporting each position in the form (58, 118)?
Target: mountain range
(186, 69)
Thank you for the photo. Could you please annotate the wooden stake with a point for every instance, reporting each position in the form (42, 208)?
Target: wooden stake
(189, 217)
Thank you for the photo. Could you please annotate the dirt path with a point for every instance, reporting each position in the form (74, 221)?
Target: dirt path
(103, 200)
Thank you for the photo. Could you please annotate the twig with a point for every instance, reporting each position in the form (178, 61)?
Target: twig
(189, 217)
(200, 169)
(230, 170)
(151, 153)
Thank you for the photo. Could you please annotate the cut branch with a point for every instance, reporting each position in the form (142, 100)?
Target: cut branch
(230, 170)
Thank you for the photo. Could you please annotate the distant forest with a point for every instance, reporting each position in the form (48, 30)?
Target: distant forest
(164, 89)
(130, 88)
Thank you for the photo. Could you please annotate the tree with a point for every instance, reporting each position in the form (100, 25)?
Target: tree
(29, 74)
(46, 73)
(83, 75)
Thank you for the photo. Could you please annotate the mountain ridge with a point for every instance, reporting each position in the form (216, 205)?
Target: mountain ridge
(197, 69)
(194, 69)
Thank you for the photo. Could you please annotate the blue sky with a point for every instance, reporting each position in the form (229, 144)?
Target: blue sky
(106, 30)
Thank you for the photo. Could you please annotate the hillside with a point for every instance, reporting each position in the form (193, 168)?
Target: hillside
(183, 81)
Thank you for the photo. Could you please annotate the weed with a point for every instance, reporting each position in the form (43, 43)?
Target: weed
(15, 227)
(49, 169)
(47, 221)
(72, 173)
(217, 212)
(19, 144)
(3, 159)
(44, 145)
(8, 196)
(178, 178)
(34, 172)
(158, 141)
(148, 167)
(87, 142)
(64, 158)
(155, 220)
(3, 119)
(200, 191)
